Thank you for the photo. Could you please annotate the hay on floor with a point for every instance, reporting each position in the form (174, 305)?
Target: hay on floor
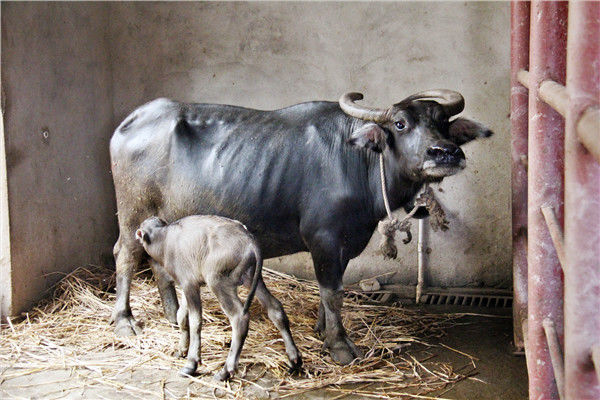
(71, 331)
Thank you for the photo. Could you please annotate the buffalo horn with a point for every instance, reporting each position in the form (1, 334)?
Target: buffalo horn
(452, 102)
(348, 105)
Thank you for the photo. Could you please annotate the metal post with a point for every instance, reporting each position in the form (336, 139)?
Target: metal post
(556, 233)
(582, 207)
(556, 356)
(519, 51)
(420, 262)
(545, 187)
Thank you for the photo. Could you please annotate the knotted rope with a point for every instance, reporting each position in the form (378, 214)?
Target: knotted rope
(390, 225)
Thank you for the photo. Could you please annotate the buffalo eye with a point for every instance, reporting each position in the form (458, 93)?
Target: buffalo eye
(400, 124)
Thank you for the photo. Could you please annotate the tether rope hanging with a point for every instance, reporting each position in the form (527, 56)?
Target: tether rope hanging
(390, 225)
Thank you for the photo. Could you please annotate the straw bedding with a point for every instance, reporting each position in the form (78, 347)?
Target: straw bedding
(71, 331)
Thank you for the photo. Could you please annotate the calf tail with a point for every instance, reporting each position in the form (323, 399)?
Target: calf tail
(255, 279)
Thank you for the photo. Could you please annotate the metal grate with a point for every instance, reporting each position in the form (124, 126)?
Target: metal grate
(467, 299)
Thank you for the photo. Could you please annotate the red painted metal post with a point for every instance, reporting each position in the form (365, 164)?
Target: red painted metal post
(582, 207)
(519, 59)
(545, 188)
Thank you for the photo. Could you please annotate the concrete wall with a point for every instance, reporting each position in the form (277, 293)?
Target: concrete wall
(56, 79)
(270, 55)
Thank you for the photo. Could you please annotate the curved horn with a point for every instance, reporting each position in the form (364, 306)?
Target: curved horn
(452, 102)
(348, 105)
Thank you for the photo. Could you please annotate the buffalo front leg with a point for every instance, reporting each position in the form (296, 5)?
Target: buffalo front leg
(341, 348)
(128, 256)
(320, 325)
(166, 288)
(329, 271)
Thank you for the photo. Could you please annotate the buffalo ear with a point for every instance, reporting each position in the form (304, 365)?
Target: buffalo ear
(464, 130)
(370, 136)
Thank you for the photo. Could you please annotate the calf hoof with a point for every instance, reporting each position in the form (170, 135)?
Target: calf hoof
(180, 353)
(223, 375)
(188, 369)
(128, 327)
(343, 351)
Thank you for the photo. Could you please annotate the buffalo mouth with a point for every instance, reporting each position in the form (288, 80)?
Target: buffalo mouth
(434, 169)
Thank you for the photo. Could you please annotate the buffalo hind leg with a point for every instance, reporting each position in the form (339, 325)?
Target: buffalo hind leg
(128, 256)
(166, 289)
(226, 293)
(279, 318)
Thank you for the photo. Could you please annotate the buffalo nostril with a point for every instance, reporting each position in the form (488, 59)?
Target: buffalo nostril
(458, 152)
(435, 151)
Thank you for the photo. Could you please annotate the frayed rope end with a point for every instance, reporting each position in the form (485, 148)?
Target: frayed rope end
(387, 228)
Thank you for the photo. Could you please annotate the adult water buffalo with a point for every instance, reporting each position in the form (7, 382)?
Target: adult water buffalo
(302, 178)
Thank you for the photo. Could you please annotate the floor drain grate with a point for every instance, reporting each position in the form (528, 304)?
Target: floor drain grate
(467, 299)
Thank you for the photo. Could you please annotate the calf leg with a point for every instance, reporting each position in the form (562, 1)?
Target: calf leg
(194, 307)
(128, 256)
(280, 319)
(166, 288)
(182, 321)
(226, 293)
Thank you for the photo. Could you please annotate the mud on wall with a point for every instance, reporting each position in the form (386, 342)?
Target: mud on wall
(74, 70)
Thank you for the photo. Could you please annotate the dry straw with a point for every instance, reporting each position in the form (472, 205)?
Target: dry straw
(71, 331)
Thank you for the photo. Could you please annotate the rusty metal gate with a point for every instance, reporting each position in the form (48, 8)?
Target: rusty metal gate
(555, 124)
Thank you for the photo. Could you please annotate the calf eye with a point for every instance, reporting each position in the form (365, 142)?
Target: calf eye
(400, 125)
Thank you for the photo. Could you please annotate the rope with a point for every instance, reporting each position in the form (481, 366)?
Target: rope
(390, 225)
(383, 187)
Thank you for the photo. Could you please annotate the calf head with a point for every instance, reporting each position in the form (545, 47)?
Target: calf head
(147, 232)
(416, 133)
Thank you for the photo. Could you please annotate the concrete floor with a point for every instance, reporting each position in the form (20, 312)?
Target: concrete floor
(500, 375)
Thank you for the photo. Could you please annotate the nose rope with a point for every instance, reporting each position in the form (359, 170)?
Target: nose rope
(390, 225)
(386, 202)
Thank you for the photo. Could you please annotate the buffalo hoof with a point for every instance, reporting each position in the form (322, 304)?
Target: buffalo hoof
(223, 375)
(319, 329)
(128, 326)
(342, 351)
(188, 369)
(295, 365)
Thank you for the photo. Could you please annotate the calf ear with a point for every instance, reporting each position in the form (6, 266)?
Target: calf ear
(464, 130)
(370, 136)
(143, 236)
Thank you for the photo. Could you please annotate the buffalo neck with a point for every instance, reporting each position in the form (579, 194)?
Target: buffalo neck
(400, 189)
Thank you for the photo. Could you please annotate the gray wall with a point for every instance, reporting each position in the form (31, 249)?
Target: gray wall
(78, 69)
(270, 55)
(56, 78)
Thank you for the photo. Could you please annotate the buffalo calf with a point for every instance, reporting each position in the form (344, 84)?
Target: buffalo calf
(221, 254)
